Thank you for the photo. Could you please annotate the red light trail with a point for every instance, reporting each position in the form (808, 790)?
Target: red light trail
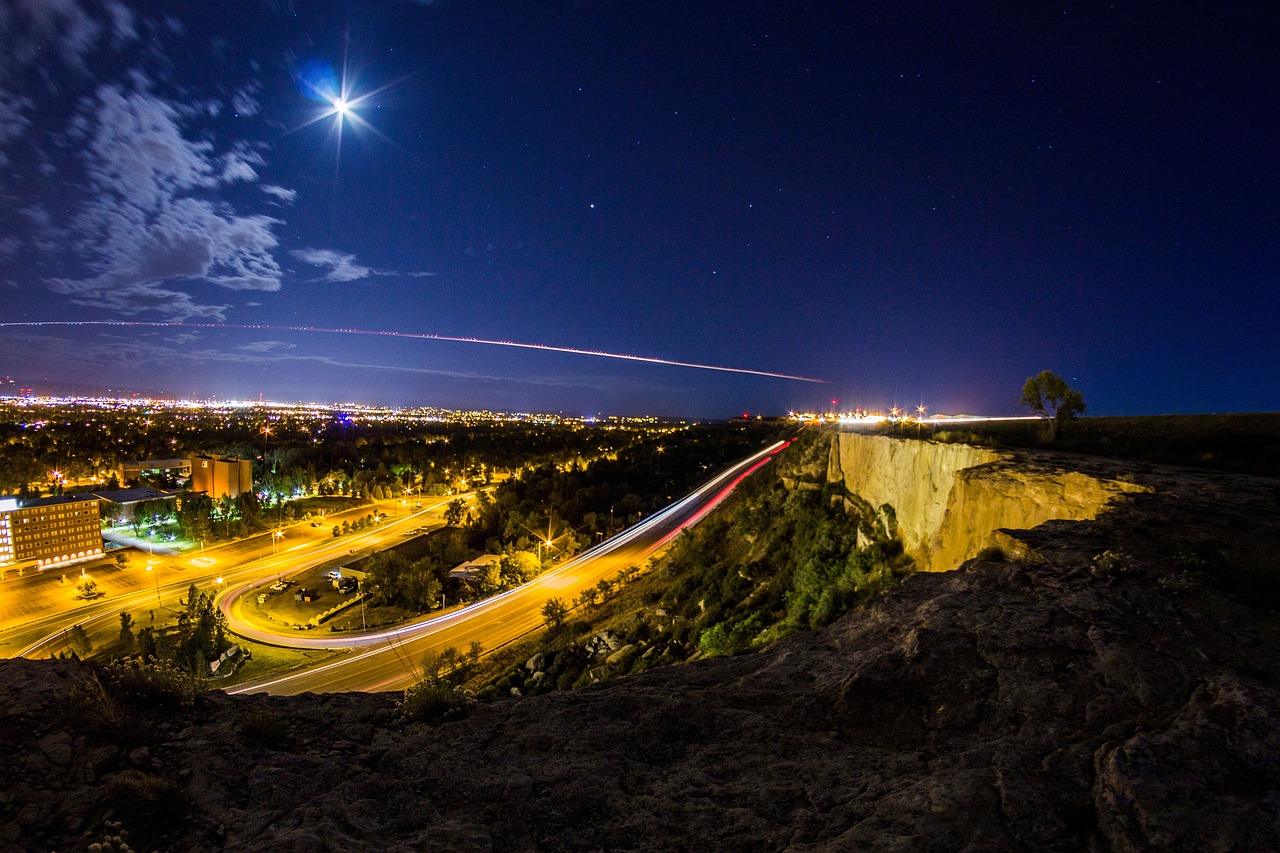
(414, 336)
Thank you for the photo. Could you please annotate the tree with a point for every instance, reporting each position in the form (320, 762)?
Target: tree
(147, 643)
(554, 611)
(454, 512)
(1048, 394)
(79, 640)
(86, 587)
(249, 508)
(605, 588)
(126, 629)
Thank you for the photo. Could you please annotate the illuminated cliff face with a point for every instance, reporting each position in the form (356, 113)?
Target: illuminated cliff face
(950, 499)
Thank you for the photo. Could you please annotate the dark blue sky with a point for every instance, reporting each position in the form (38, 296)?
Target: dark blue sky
(920, 202)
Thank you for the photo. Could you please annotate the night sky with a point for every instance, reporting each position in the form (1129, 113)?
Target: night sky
(923, 203)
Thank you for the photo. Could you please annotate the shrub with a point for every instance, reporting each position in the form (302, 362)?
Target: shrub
(433, 702)
(99, 710)
(152, 684)
(729, 639)
(114, 840)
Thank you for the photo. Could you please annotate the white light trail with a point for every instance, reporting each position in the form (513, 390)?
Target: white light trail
(415, 336)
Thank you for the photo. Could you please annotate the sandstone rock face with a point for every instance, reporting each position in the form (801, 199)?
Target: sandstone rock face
(950, 498)
(1003, 706)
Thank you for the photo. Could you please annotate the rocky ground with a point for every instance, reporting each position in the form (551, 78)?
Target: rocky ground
(1075, 699)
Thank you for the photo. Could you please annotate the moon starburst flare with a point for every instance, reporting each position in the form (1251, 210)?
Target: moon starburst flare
(415, 336)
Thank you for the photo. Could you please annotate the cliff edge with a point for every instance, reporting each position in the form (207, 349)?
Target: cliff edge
(1121, 691)
(948, 500)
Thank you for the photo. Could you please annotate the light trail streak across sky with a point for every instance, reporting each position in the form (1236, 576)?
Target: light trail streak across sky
(411, 336)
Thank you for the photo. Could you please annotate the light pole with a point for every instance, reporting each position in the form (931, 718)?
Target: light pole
(275, 540)
(152, 568)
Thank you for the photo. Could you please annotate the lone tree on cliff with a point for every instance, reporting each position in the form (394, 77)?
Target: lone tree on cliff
(1050, 395)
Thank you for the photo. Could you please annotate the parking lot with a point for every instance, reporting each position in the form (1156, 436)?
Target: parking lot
(296, 599)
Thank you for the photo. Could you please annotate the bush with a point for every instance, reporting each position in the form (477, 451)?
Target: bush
(433, 702)
(114, 840)
(729, 639)
(153, 684)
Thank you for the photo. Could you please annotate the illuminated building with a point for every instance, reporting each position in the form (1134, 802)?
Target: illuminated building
(50, 531)
(221, 475)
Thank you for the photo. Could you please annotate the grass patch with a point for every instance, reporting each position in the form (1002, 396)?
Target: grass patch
(264, 727)
(1247, 443)
(265, 661)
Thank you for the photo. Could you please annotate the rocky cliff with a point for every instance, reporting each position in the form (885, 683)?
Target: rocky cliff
(950, 500)
(1120, 691)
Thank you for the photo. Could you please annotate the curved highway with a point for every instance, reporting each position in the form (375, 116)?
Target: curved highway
(250, 561)
(388, 660)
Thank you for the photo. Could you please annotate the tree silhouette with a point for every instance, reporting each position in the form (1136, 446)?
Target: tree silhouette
(1048, 394)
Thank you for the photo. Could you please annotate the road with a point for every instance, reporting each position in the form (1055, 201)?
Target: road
(386, 660)
(37, 610)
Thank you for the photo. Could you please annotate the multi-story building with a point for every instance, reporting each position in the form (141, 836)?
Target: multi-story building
(50, 530)
(212, 474)
(221, 475)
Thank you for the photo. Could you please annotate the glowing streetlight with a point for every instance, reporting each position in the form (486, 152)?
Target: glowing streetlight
(275, 540)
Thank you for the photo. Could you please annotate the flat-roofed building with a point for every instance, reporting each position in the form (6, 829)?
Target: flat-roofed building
(50, 531)
(123, 504)
(221, 475)
(168, 469)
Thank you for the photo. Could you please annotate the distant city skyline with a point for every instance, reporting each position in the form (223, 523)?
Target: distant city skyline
(919, 204)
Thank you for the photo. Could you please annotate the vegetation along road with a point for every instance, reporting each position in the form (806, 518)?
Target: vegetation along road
(387, 660)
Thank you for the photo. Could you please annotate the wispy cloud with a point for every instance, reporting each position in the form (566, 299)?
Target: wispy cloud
(267, 346)
(286, 196)
(69, 29)
(342, 267)
(148, 201)
(148, 224)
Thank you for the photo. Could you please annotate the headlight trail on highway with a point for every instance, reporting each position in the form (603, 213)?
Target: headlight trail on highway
(377, 645)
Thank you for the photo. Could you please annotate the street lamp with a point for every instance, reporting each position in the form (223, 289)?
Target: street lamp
(152, 568)
(275, 539)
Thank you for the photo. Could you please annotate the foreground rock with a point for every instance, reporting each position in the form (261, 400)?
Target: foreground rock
(1072, 701)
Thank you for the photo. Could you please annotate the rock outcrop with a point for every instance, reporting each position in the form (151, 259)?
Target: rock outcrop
(949, 499)
(1119, 692)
